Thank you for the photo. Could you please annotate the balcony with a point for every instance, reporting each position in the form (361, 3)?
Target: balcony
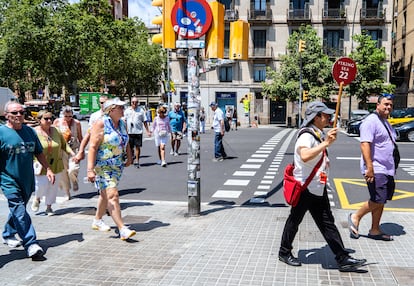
(296, 17)
(334, 16)
(231, 15)
(260, 17)
(260, 53)
(372, 16)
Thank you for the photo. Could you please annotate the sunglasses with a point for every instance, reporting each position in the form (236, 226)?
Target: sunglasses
(387, 96)
(47, 118)
(17, 112)
(69, 116)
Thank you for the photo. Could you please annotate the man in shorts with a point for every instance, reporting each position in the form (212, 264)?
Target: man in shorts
(178, 126)
(377, 166)
(136, 119)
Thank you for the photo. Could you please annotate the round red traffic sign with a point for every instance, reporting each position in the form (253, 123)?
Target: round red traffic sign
(191, 19)
(344, 70)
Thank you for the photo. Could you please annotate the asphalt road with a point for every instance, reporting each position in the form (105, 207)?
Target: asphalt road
(253, 172)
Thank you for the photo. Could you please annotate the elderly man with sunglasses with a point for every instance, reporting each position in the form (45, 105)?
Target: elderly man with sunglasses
(18, 144)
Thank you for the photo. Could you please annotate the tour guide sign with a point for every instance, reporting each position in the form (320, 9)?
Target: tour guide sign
(344, 72)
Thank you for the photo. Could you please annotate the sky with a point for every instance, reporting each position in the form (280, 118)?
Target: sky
(139, 8)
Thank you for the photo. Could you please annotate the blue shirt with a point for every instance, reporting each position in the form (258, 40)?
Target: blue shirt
(17, 148)
(177, 120)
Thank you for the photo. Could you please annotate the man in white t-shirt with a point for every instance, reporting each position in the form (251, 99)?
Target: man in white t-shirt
(218, 126)
(136, 120)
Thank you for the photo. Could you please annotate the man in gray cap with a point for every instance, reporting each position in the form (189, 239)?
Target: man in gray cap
(310, 148)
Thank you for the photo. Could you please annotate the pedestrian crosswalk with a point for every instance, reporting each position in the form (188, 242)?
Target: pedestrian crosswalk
(242, 179)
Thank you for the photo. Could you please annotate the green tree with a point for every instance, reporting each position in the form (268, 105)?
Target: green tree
(283, 84)
(371, 67)
(79, 46)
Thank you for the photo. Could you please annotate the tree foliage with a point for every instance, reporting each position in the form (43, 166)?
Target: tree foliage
(371, 66)
(78, 46)
(283, 84)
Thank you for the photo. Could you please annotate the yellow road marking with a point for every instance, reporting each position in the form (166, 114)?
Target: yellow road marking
(399, 194)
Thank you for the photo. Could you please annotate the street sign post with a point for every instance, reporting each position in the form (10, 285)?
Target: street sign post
(344, 72)
(191, 19)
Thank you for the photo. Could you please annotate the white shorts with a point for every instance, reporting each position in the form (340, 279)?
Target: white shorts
(47, 189)
(160, 140)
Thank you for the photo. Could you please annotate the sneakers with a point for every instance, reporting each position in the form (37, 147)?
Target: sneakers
(218, 159)
(163, 164)
(12, 242)
(35, 205)
(98, 224)
(172, 152)
(126, 233)
(34, 251)
(176, 154)
(49, 211)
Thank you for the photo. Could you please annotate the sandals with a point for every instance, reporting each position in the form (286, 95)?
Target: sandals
(353, 229)
(381, 236)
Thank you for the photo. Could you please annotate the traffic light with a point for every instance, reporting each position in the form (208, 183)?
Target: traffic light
(239, 40)
(302, 46)
(215, 36)
(305, 96)
(167, 36)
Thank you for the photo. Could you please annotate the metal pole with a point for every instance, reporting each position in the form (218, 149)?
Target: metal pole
(168, 79)
(193, 133)
(352, 48)
(300, 91)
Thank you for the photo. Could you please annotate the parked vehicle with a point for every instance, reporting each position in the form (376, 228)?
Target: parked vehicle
(358, 113)
(405, 131)
(401, 115)
(356, 119)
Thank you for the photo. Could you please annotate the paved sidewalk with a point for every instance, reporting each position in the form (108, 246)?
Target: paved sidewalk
(226, 245)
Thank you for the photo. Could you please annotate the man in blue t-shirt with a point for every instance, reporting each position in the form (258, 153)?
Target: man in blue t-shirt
(18, 144)
(178, 126)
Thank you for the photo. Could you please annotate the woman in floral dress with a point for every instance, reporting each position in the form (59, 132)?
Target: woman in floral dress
(109, 153)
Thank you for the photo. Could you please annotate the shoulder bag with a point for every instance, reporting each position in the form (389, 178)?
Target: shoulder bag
(292, 188)
(395, 152)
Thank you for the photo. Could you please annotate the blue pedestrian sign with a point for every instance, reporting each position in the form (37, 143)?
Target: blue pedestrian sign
(191, 19)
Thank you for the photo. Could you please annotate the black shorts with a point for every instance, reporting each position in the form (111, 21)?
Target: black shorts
(381, 189)
(135, 140)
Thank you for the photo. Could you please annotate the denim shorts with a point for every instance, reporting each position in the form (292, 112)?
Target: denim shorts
(382, 188)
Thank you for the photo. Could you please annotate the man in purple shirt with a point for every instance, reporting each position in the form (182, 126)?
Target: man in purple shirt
(377, 166)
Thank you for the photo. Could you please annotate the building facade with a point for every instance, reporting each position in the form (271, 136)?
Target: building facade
(402, 73)
(271, 24)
